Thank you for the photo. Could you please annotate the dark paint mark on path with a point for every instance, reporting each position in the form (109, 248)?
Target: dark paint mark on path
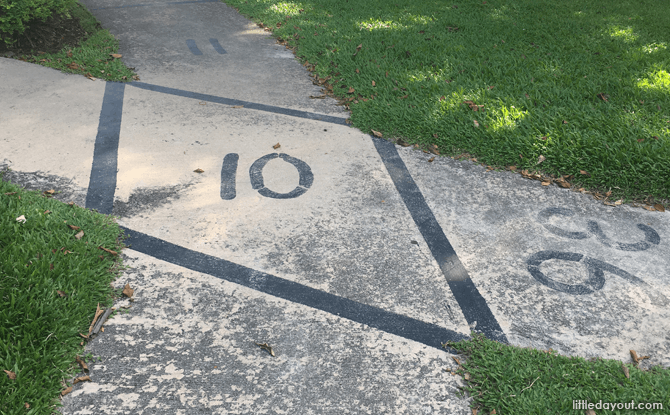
(596, 279)
(102, 183)
(257, 183)
(472, 304)
(217, 46)
(247, 105)
(228, 174)
(409, 328)
(193, 47)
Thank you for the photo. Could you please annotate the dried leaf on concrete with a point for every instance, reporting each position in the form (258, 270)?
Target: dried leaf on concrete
(276, 146)
(659, 207)
(377, 133)
(66, 391)
(198, 170)
(81, 362)
(98, 313)
(82, 379)
(266, 347)
(127, 291)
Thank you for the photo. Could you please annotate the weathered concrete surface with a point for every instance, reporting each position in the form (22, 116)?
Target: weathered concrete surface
(349, 234)
(187, 345)
(497, 222)
(49, 121)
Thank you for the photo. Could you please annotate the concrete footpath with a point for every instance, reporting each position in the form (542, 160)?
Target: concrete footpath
(353, 258)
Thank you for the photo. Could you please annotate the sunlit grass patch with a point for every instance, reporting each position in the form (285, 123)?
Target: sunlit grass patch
(591, 78)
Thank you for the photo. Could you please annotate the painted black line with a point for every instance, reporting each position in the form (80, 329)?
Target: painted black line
(193, 47)
(217, 46)
(247, 105)
(102, 183)
(228, 175)
(172, 3)
(472, 303)
(409, 328)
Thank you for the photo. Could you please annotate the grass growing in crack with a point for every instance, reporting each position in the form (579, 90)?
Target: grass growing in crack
(586, 86)
(92, 57)
(50, 285)
(512, 380)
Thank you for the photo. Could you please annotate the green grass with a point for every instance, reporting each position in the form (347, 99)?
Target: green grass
(536, 66)
(500, 379)
(38, 326)
(93, 56)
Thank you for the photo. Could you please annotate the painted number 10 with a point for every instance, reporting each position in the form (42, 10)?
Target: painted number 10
(229, 171)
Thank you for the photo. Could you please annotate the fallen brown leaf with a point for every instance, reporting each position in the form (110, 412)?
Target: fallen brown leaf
(66, 391)
(403, 97)
(98, 313)
(649, 208)
(26, 405)
(637, 359)
(49, 192)
(659, 207)
(79, 235)
(74, 228)
(317, 96)
(61, 293)
(11, 375)
(565, 122)
(115, 55)
(10, 193)
(377, 133)
(432, 159)
(237, 106)
(127, 291)
(198, 170)
(81, 379)
(541, 159)
(546, 183)
(373, 83)
(625, 371)
(266, 347)
(590, 412)
(603, 96)
(403, 143)
(456, 360)
(276, 146)
(358, 48)
(583, 172)
(351, 90)
(476, 124)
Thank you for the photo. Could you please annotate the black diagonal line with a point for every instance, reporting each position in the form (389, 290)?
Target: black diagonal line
(409, 328)
(472, 304)
(247, 104)
(102, 183)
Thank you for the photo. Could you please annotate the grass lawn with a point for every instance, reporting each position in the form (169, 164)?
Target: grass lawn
(92, 57)
(511, 381)
(50, 285)
(573, 88)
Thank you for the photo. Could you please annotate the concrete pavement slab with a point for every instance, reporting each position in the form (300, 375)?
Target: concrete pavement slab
(354, 258)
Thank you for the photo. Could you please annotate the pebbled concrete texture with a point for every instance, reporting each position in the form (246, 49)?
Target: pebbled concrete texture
(187, 345)
(498, 221)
